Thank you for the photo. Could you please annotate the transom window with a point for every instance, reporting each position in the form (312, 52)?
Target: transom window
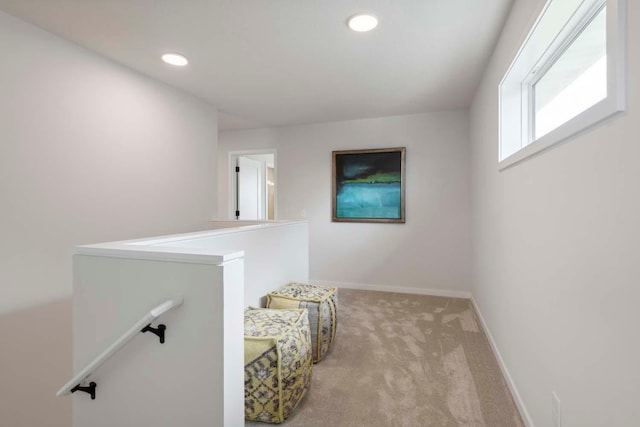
(568, 75)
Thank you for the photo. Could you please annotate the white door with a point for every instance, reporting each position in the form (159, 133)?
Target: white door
(250, 189)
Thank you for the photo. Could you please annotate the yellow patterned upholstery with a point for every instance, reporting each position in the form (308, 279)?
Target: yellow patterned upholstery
(322, 304)
(277, 362)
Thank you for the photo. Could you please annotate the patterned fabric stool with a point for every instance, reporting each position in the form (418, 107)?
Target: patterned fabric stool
(277, 362)
(322, 304)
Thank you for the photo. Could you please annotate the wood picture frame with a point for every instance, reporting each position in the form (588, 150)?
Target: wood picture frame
(369, 185)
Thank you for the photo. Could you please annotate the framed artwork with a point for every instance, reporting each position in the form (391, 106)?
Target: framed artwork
(368, 185)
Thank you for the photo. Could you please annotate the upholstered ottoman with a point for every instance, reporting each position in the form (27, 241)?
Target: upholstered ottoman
(277, 362)
(322, 304)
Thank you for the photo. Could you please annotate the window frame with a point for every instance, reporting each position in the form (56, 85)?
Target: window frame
(516, 88)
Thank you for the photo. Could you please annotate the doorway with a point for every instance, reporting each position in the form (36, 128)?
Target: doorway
(253, 185)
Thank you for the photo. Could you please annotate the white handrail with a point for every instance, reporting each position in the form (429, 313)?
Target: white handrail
(119, 343)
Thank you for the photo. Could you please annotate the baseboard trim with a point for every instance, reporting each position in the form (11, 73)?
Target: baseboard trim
(389, 288)
(526, 418)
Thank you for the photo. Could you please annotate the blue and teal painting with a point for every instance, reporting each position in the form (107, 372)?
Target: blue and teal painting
(369, 185)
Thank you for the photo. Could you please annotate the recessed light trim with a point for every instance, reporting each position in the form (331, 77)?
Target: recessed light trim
(175, 59)
(362, 22)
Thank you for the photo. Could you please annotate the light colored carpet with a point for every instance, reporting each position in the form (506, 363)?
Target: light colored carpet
(404, 360)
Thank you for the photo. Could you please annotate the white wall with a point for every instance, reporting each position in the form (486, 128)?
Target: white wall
(268, 266)
(430, 252)
(556, 258)
(195, 378)
(89, 151)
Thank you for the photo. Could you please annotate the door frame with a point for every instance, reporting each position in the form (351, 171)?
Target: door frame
(232, 157)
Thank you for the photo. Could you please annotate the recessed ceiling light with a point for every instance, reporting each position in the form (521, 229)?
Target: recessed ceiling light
(175, 59)
(362, 22)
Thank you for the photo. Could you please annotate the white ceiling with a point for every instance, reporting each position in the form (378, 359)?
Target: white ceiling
(270, 63)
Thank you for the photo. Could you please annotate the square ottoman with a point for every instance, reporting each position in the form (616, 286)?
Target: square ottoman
(277, 362)
(322, 303)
